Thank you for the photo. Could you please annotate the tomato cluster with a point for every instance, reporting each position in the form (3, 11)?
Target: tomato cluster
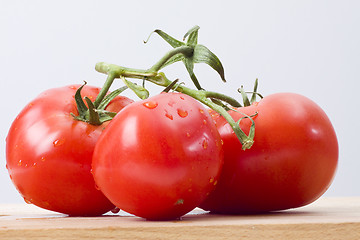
(163, 156)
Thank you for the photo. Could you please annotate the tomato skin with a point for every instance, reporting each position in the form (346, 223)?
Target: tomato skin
(49, 153)
(159, 158)
(292, 162)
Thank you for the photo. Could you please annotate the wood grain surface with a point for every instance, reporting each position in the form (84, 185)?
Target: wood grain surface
(327, 218)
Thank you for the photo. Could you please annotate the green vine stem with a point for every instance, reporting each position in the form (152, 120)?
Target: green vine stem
(189, 53)
(200, 95)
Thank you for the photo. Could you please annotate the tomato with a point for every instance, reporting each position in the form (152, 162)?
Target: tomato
(159, 158)
(49, 153)
(291, 163)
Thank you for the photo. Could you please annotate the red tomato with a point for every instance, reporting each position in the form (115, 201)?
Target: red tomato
(49, 153)
(291, 164)
(159, 158)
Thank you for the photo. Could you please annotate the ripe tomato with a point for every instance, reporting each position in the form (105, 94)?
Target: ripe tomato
(159, 158)
(291, 164)
(49, 153)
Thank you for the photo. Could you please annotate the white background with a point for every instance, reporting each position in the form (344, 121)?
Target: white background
(309, 47)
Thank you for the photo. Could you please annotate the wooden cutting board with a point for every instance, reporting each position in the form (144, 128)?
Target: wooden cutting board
(327, 218)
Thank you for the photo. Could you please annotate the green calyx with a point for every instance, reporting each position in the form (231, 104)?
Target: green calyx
(94, 112)
(254, 95)
(192, 53)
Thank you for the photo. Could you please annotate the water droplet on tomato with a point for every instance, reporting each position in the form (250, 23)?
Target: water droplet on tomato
(215, 183)
(43, 159)
(10, 177)
(58, 142)
(205, 144)
(27, 201)
(171, 103)
(188, 134)
(169, 116)
(72, 87)
(20, 162)
(115, 210)
(204, 122)
(34, 164)
(97, 187)
(7, 167)
(150, 104)
(201, 111)
(182, 113)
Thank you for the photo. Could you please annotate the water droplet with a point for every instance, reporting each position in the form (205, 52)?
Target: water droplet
(97, 187)
(188, 134)
(182, 113)
(222, 142)
(211, 180)
(115, 210)
(58, 142)
(215, 183)
(43, 159)
(205, 122)
(10, 177)
(72, 87)
(169, 116)
(171, 103)
(7, 167)
(20, 163)
(201, 111)
(150, 104)
(28, 201)
(205, 144)
(34, 164)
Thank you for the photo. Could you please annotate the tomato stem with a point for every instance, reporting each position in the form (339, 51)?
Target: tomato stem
(189, 53)
(104, 90)
(200, 95)
(185, 50)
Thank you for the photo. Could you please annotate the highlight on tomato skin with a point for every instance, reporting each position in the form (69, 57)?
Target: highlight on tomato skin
(159, 158)
(49, 153)
(292, 162)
